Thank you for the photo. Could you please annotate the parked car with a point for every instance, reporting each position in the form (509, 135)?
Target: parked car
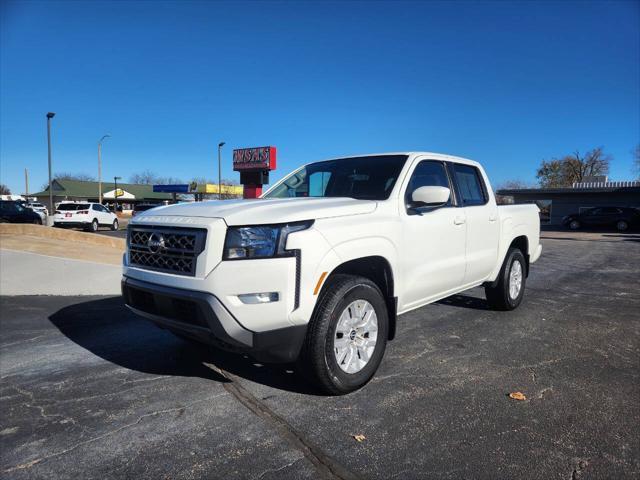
(622, 218)
(15, 212)
(87, 215)
(142, 207)
(38, 207)
(319, 268)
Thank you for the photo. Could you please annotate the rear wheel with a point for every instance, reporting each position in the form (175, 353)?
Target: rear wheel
(574, 225)
(93, 226)
(509, 290)
(114, 225)
(622, 225)
(37, 221)
(347, 334)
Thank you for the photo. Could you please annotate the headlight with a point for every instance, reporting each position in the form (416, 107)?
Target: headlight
(260, 241)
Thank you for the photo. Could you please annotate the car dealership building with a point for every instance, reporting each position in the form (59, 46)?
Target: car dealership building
(556, 203)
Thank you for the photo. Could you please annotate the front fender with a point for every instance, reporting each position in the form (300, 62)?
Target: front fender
(314, 275)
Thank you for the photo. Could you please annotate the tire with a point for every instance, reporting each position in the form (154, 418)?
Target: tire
(501, 296)
(622, 225)
(341, 301)
(574, 224)
(37, 221)
(114, 225)
(93, 226)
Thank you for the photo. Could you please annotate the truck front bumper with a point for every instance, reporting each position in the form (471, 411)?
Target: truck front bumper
(202, 317)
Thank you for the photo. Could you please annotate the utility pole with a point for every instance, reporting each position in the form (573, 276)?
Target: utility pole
(50, 115)
(26, 183)
(220, 145)
(100, 168)
(115, 193)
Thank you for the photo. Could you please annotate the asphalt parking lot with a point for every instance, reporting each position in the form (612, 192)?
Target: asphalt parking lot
(91, 391)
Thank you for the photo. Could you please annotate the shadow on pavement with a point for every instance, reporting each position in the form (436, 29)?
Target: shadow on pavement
(465, 301)
(106, 328)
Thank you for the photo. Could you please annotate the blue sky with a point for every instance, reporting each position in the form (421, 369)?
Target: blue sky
(507, 84)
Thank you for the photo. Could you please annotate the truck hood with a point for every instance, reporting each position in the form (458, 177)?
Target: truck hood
(263, 211)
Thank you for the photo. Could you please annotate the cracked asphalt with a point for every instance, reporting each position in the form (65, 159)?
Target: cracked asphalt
(91, 391)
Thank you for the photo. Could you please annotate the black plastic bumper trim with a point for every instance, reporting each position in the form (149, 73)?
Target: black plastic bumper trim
(221, 329)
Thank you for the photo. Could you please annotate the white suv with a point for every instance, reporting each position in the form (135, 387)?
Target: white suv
(87, 215)
(38, 208)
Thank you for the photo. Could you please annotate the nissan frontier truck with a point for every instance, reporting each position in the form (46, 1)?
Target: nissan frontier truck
(321, 268)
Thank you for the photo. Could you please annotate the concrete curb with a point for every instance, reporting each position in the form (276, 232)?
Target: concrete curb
(61, 234)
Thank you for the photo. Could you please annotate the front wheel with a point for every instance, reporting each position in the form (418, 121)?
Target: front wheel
(508, 292)
(622, 226)
(114, 225)
(347, 334)
(574, 225)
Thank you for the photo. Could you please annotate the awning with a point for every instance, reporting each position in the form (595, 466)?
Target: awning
(122, 195)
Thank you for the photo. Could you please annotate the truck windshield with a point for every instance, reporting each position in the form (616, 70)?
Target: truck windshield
(363, 178)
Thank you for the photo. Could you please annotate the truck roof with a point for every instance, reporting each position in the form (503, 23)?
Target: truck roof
(432, 155)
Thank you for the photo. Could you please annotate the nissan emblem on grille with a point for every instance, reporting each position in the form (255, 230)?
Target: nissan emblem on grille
(169, 249)
(156, 242)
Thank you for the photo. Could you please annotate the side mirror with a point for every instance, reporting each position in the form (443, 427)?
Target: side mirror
(430, 196)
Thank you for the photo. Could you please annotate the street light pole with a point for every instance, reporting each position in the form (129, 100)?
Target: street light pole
(50, 115)
(100, 168)
(220, 145)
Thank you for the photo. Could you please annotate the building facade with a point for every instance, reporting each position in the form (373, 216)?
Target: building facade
(556, 203)
(77, 190)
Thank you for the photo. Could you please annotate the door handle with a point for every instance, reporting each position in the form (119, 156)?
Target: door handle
(458, 220)
(493, 218)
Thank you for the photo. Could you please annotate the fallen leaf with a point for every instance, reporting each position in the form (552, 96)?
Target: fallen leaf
(517, 396)
(359, 438)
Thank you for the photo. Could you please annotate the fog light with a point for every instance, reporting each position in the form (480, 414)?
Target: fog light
(264, 297)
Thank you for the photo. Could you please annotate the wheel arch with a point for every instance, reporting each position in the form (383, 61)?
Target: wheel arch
(519, 239)
(521, 242)
(377, 269)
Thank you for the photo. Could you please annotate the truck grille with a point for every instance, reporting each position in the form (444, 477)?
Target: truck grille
(166, 249)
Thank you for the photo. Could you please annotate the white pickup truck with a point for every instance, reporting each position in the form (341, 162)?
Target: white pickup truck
(319, 269)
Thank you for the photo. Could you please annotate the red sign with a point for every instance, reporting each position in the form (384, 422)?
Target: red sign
(259, 158)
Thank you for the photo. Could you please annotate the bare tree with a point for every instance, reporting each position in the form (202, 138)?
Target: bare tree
(83, 177)
(513, 185)
(563, 172)
(4, 190)
(594, 162)
(147, 177)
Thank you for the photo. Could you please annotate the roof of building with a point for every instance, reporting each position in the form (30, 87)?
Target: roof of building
(82, 189)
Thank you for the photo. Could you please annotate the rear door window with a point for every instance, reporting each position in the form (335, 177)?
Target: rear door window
(470, 185)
